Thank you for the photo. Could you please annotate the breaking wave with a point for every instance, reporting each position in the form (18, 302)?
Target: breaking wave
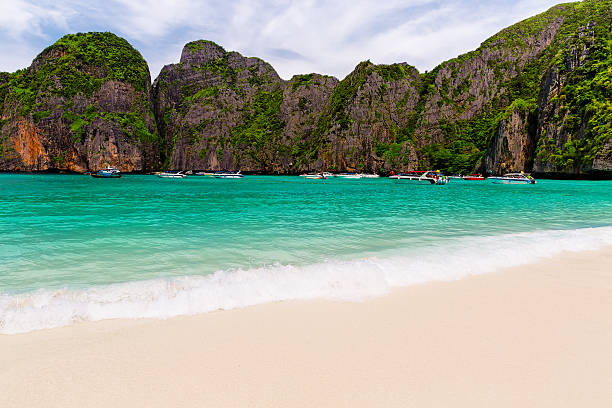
(340, 280)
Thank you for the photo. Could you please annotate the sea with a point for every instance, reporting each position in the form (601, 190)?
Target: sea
(75, 248)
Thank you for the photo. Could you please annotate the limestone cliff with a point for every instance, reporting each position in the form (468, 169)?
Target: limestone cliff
(518, 102)
(537, 97)
(220, 110)
(83, 104)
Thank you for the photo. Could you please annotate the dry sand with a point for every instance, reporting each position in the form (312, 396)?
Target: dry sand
(535, 336)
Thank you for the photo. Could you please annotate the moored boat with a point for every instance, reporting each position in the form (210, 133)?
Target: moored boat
(513, 178)
(171, 174)
(313, 176)
(108, 172)
(474, 177)
(349, 175)
(228, 175)
(431, 177)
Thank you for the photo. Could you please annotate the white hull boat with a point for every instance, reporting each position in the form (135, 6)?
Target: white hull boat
(428, 177)
(349, 175)
(170, 174)
(228, 175)
(315, 176)
(513, 178)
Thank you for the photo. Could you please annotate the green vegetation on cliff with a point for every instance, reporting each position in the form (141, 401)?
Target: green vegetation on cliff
(4, 88)
(79, 63)
(584, 99)
(259, 134)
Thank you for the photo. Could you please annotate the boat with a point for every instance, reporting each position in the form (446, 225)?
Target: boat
(228, 175)
(108, 172)
(431, 177)
(314, 176)
(369, 175)
(349, 175)
(171, 174)
(204, 173)
(327, 174)
(513, 178)
(474, 177)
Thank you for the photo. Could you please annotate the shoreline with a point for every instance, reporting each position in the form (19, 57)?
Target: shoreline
(602, 175)
(347, 280)
(532, 335)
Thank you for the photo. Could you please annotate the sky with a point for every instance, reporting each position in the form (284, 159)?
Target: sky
(296, 37)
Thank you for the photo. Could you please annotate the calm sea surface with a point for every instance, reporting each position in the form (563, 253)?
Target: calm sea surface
(77, 248)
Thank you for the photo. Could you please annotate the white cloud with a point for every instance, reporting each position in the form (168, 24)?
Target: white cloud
(19, 17)
(294, 36)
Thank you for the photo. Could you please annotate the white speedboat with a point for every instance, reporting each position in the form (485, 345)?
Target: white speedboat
(228, 175)
(314, 176)
(513, 178)
(369, 175)
(349, 175)
(430, 177)
(327, 174)
(171, 174)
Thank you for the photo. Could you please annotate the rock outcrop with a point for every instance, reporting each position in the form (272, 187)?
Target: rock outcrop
(83, 104)
(220, 110)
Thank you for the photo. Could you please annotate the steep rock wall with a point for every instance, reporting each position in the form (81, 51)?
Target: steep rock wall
(83, 104)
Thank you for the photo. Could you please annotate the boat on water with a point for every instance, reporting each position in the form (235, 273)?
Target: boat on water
(474, 177)
(369, 175)
(109, 172)
(349, 175)
(228, 175)
(171, 174)
(513, 178)
(314, 176)
(327, 174)
(430, 177)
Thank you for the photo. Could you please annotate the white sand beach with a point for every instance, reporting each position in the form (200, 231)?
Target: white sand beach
(535, 336)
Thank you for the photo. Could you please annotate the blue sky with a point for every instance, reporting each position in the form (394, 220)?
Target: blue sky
(328, 37)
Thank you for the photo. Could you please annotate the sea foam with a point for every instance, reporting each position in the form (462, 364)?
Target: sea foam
(353, 280)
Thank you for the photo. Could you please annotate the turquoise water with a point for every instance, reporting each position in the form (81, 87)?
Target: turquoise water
(69, 236)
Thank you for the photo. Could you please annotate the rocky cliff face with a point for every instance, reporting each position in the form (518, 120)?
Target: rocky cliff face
(368, 122)
(569, 120)
(534, 97)
(574, 124)
(83, 104)
(513, 145)
(503, 107)
(220, 110)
